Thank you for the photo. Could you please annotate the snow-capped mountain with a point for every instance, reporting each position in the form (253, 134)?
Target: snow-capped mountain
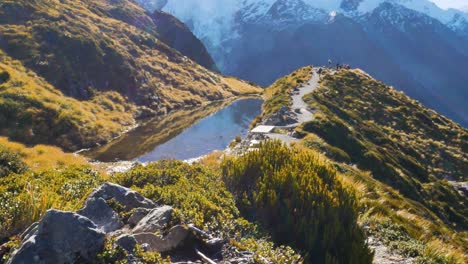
(411, 44)
(216, 15)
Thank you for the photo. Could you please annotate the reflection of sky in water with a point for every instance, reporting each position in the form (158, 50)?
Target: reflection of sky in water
(212, 133)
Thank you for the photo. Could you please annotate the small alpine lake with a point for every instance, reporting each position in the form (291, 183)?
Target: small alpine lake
(184, 134)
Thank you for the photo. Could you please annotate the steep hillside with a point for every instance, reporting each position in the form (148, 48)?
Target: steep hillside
(405, 145)
(414, 157)
(109, 65)
(33, 111)
(413, 149)
(166, 27)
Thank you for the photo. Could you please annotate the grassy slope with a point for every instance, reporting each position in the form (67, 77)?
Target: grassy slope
(88, 50)
(100, 51)
(404, 145)
(42, 157)
(408, 148)
(33, 111)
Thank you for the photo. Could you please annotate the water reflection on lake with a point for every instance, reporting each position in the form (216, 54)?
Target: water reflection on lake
(183, 135)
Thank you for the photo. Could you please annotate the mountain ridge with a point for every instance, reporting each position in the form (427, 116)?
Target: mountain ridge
(249, 37)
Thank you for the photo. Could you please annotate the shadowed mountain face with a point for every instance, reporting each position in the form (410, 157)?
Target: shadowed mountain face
(175, 34)
(413, 51)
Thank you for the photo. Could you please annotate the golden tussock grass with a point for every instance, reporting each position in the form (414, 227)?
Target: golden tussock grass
(41, 157)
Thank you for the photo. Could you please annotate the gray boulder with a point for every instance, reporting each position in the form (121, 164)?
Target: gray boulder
(127, 242)
(156, 220)
(174, 239)
(137, 215)
(126, 197)
(61, 237)
(101, 214)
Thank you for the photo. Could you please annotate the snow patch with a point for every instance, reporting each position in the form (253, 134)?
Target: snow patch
(215, 21)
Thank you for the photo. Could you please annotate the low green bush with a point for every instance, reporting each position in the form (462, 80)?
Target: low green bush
(200, 197)
(298, 198)
(24, 198)
(10, 162)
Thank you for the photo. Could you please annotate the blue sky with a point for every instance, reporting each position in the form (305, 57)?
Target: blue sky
(451, 3)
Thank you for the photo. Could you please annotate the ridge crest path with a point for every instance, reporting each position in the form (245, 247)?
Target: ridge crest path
(304, 114)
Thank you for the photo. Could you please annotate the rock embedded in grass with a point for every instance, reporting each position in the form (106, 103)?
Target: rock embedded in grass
(67, 237)
(61, 237)
(129, 199)
(156, 220)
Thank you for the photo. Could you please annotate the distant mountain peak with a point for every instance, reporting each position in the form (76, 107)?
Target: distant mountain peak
(222, 14)
(400, 16)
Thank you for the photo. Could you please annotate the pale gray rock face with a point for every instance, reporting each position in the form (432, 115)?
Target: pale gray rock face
(30, 231)
(97, 210)
(61, 237)
(137, 215)
(174, 239)
(126, 197)
(156, 220)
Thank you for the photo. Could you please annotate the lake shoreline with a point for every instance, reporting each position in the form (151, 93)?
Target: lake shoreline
(153, 133)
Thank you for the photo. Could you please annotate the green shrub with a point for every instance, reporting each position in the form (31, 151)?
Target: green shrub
(198, 192)
(116, 254)
(10, 162)
(24, 198)
(297, 197)
(200, 196)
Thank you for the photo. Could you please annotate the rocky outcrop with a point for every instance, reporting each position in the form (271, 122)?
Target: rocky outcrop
(137, 215)
(124, 196)
(283, 117)
(60, 237)
(97, 210)
(129, 219)
(175, 238)
(156, 220)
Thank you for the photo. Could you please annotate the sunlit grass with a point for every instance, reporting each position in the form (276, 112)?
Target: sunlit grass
(42, 157)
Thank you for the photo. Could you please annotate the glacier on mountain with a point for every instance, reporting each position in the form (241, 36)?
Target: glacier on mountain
(214, 19)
